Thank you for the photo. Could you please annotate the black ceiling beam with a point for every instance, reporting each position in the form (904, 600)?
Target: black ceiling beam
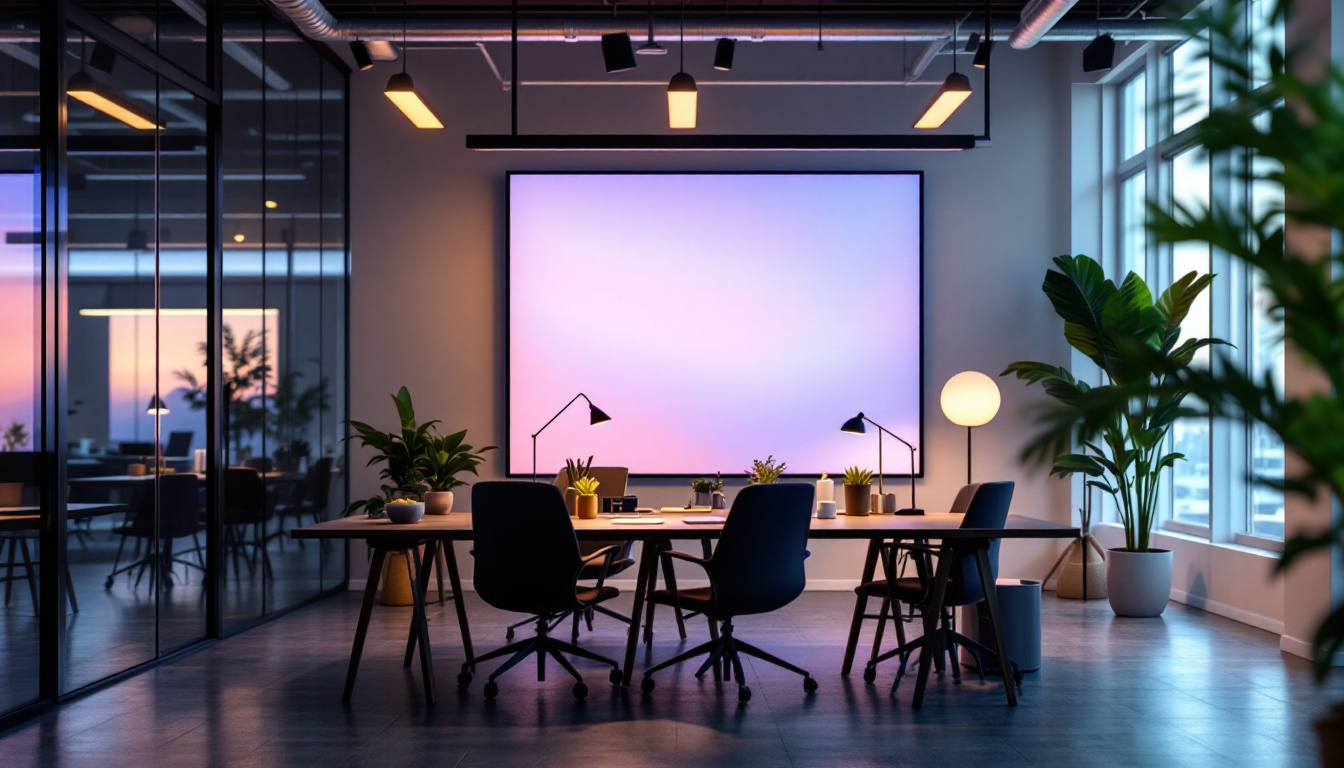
(722, 143)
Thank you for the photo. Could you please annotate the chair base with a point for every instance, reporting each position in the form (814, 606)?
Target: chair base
(542, 645)
(728, 649)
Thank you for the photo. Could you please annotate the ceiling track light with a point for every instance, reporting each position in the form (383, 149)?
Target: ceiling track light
(981, 59)
(1099, 55)
(723, 54)
(954, 90)
(83, 87)
(618, 54)
(363, 58)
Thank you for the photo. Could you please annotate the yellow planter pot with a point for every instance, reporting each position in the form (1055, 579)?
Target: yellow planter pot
(396, 582)
(586, 506)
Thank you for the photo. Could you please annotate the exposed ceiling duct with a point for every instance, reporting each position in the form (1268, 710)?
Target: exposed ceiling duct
(314, 20)
(1038, 20)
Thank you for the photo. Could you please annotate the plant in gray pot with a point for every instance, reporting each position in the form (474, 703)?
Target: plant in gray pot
(1129, 454)
(703, 491)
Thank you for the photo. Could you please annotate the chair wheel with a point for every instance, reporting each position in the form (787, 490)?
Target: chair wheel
(463, 679)
(869, 674)
(616, 677)
(648, 685)
(580, 690)
(809, 685)
(491, 689)
(743, 694)
(508, 633)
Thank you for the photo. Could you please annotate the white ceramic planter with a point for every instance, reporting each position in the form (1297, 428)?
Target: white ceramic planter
(438, 502)
(403, 514)
(1138, 583)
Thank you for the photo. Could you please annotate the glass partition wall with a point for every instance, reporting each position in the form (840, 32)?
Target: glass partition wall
(173, 292)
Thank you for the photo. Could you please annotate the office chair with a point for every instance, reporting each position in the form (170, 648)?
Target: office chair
(987, 510)
(179, 444)
(246, 512)
(528, 561)
(179, 516)
(757, 567)
(878, 589)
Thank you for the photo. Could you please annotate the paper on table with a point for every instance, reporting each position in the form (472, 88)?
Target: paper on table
(704, 519)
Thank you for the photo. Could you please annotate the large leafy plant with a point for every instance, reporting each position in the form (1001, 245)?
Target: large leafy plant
(447, 456)
(400, 454)
(1133, 340)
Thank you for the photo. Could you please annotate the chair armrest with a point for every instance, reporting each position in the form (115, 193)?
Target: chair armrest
(672, 553)
(601, 553)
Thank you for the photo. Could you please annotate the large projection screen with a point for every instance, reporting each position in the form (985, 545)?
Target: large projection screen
(717, 318)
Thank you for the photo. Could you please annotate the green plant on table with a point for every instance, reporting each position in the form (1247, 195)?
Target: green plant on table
(701, 485)
(764, 472)
(856, 475)
(577, 469)
(400, 454)
(586, 486)
(447, 456)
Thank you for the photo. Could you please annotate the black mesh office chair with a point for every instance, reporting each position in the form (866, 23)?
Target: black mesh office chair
(179, 513)
(246, 513)
(756, 568)
(528, 561)
(988, 510)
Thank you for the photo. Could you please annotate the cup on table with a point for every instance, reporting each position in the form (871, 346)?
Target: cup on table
(136, 470)
(889, 504)
(826, 509)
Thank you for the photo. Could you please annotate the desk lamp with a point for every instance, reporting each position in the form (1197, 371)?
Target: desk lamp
(855, 427)
(970, 399)
(595, 416)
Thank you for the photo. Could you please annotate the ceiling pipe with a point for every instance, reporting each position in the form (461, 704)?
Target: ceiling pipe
(1038, 19)
(926, 57)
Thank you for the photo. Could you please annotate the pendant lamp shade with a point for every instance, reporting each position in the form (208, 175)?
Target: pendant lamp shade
(981, 59)
(854, 426)
(954, 90)
(681, 101)
(970, 399)
(360, 52)
(83, 87)
(401, 90)
(596, 415)
(156, 407)
(723, 54)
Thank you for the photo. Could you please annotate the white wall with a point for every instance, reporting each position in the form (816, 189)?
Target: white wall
(427, 227)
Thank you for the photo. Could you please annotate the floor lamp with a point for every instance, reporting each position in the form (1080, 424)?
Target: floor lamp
(595, 416)
(970, 399)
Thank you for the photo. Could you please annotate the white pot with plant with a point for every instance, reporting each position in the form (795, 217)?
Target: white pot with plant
(703, 491)
(443, 459)
(1130, 456)
(585, 505)
(858, 490)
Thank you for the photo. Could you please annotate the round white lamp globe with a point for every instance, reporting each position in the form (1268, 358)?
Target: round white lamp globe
(970, 399)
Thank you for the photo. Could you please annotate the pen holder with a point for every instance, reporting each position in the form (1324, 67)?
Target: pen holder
(826, 509)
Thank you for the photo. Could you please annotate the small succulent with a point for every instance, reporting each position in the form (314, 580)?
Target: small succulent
(767, 471)
(577, 469)
(856, 475)
(586, 486)
(701, 485)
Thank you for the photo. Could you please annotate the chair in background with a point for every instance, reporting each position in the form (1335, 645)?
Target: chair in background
(260, 463)
(965, 584)
(135, 449)
(528, 561)
(757, 567)
(878, 589)
(179, 517)
(308, 501)
(179, 444)
(247, 510)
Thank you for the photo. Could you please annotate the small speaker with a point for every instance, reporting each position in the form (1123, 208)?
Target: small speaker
(1099, 55)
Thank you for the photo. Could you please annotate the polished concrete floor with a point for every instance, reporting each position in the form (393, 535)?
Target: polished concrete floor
(1189, 689)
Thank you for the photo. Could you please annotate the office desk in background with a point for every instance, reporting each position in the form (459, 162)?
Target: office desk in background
(384, 536)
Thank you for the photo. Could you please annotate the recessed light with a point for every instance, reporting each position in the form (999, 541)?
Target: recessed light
(272, 204)
(240, 237)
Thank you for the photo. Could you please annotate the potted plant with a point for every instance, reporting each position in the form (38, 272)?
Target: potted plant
(1128, 454)
(765, 472)
(703, 490)
(443, 459)
(586, 504)
(858, 487)
(575, 470)
(400, 455)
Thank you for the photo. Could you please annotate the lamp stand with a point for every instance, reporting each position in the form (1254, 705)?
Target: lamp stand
(912, 509)
(968, 455)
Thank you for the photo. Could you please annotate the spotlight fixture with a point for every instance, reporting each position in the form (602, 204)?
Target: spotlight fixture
(363, 59)
(981, 59)
(617, 52)
(723, 54)
(972, 43)
(103, 58)
(682, 94)
(1099, 55)
(83, 87)
(954, 90)
(650, 47)
(401, 89)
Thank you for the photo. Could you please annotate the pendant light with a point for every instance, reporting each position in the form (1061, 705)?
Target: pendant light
(83, 87)
(401, 89)
(954, 90)
(157, 407)
(1099, 55)
(681, 91)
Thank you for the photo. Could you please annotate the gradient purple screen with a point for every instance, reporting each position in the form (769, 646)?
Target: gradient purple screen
(718, 318)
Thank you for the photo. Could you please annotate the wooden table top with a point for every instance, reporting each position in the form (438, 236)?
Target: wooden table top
(27, 517)
(940, 525)
(125, 480)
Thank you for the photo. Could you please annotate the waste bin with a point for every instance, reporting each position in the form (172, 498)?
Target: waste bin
(1020, 612)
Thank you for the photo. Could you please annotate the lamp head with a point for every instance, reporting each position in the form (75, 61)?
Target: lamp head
(854, 426)
(156, 407)
(970, 399)
(596, 415)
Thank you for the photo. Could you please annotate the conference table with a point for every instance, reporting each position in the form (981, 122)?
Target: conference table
(383, 537)
(27, 519)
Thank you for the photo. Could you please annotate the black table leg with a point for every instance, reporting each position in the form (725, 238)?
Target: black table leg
(861, 605)
(425, 566)
(933, 612)
(992, 606)
(455, 582)
(362, 629)
(648, 556)
(413, 568)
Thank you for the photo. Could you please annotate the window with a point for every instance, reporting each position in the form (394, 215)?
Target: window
(1133, 225)
(1189, 84)
(1134, 116)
